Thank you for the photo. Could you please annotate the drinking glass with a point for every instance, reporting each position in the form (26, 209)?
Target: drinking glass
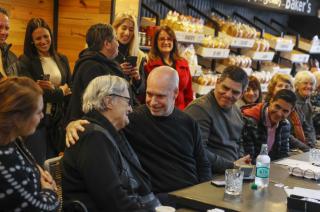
(234, 179)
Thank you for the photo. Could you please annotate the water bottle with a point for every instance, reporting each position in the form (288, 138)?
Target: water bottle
(262, 168)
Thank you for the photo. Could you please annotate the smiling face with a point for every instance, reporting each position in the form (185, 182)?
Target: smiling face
(279, 110)
(305, 88)
(42, 41)
(120, 109)
(281, 85)
(164, 43)
(227, 92)
(251, 95)
(125, 32)
(4, 28)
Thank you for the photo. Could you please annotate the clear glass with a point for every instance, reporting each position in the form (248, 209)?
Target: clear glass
(314, 156)
(234, 181)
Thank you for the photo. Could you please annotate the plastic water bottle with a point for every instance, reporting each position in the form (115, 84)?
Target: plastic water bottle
(262, 168)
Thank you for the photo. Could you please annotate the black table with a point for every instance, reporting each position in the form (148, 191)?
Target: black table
(274, 199)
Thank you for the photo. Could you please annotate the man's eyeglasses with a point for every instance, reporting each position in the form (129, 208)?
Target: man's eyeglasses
(127, 98)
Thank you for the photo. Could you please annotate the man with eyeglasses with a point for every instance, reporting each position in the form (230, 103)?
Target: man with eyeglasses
(266, 123)
(166, 140)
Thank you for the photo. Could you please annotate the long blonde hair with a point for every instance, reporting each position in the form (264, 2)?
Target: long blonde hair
(134, 43)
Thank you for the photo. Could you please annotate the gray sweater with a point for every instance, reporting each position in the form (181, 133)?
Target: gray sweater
(220, 131)
(305, 112)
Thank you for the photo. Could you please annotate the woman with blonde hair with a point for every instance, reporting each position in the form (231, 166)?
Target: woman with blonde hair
(284, 81)
(127, 32)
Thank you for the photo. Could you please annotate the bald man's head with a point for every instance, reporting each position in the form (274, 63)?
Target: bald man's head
(162, 90)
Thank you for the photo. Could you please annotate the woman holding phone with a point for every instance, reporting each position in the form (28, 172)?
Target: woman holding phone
(51, 71)
(130, 57)
(164, 51)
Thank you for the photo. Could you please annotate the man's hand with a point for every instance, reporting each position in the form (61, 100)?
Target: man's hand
(72, 131)
(243, 161)
(45, 84)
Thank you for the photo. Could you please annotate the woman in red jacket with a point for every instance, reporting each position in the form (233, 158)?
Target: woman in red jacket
(164, 51)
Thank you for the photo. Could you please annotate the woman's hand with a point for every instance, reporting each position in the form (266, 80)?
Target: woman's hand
(45, 84)
(46, 180)
(126, 68)
(72, 131)
(135, 75)
(65, 89)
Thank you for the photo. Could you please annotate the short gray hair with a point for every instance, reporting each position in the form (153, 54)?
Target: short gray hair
(303, 76)
(99, 88)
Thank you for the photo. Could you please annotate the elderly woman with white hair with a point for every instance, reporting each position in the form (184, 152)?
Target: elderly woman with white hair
(304, 84)
(101, 169)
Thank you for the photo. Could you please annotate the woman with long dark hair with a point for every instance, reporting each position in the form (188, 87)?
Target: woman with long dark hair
(164, 51)
(51, 71)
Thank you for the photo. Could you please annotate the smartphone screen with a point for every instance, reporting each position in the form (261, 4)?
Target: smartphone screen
(45, 77)
(132, 60)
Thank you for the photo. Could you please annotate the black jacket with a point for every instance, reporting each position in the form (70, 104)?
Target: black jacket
(91, 64)
(8, 58)
(103, 171)
(255, 133)
(31, 67)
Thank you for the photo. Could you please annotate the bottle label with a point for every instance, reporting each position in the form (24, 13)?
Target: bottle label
(262, 172)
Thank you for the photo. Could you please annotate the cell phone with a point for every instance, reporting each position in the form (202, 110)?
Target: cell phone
(218, 183)
(45, 77)
(132, 60)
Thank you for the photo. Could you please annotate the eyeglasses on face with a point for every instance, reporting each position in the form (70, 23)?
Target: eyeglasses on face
(124, 97)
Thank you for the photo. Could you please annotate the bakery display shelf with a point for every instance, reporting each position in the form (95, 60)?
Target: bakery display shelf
(220, 68)
(201, 89)
(214, 53)
(189, 37)
(296, 56)
(259, 56)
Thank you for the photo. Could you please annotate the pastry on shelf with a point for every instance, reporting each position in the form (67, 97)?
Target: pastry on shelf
(179, 22)
(240, 60)
(216, 42)
(261, 45)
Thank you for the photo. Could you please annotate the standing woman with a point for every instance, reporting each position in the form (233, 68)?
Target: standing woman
(51, 71)
(164, 51)
(24, 186)
(126, 29)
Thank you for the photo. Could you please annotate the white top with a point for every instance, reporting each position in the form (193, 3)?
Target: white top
(50, 67)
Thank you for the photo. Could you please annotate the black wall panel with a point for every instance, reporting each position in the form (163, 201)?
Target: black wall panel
(206, 5)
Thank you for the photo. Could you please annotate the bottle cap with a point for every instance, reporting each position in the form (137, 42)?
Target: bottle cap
(254, 186)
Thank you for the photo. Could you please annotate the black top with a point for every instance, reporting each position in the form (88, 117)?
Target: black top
(91, 64)
(105, 175)
(8, 58)
(20, 188)
(169, 149)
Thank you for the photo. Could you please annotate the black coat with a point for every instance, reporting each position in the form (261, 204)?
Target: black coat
(8, 58)
(91, 64)
(103, 171)
(255, 133)
(31, 67)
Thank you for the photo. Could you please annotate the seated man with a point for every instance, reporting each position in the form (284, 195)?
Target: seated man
(266, 123)
(221, 121)
(102, 170)
(166, 140)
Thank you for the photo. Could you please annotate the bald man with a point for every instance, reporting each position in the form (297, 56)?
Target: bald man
(166, 140)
